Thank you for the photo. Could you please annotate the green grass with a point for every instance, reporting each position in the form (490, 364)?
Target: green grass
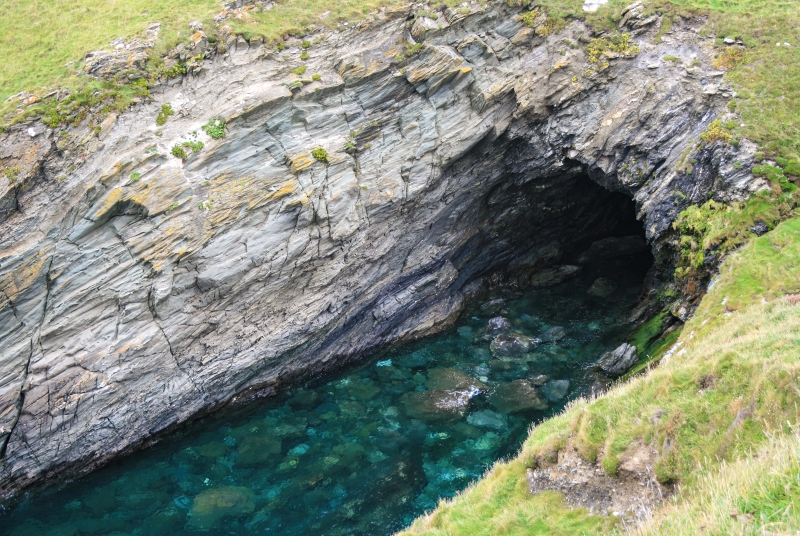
(754, 495)
(38, 39)
(741, 351)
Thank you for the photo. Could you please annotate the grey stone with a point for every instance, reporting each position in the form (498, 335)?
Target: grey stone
(496, 326)
(555, 390)
(618, 361)
(512, 345)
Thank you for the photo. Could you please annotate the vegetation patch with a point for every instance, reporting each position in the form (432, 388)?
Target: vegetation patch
(320, 154)
(715, 132)
(135, 176)
(194, 146)
(215, 128)
(179, 152)
(603, 48)
(12, 173)
(166, 111)
(299, 71)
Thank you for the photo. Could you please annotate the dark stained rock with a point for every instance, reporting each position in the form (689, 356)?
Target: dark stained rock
(612, 248)
(554, 276)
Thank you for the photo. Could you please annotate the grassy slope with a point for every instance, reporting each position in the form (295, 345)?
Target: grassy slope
(744, 346)
(42, 37)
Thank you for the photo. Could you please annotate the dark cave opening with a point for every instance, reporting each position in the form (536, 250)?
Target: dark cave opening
(523, 227)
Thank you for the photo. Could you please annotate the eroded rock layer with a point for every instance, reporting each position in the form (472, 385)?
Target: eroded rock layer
(137, 290)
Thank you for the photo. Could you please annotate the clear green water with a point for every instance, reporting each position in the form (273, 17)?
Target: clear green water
(361, 452)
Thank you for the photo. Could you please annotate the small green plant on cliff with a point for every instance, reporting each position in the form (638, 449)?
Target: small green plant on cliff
(135, 176)
(205, 205)
(299, 71)
(215, 128)
(716, 132)
(166, 111)
(172, 206)
(304, 55)
(195, 146)
(620, 44)
(320, 154)
(11, 173)
(776, 176)
(316, 77)
(179, 152)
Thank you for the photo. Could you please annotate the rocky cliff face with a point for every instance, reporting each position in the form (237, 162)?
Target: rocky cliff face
(138, 291)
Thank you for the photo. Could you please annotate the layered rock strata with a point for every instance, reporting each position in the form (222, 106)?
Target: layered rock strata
(138, 290)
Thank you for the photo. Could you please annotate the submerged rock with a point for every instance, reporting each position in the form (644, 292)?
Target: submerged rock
(496, 326)
(554, 334)
(452, 379)
(487, 418)
(515, 396)
(255, 451)
(602, 288)
(438, 405)
(211, 506)
(512, 345)
(555, 390)
(618, 361)
(554, 276)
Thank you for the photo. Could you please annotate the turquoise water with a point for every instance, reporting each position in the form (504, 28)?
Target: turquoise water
(364, 451)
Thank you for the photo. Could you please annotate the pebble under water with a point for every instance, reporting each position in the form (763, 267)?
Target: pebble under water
(369, 449)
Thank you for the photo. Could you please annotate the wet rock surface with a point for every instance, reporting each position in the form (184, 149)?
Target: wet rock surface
(128, 307)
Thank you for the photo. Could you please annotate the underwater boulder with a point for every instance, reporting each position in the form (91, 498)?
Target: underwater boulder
(452, 379)
(487, 418)
(438, 405)
(212, 505)
(518, 395)
(554, 334)
(254, 451)
(512, 345)
(496, 326)
(555, 390)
